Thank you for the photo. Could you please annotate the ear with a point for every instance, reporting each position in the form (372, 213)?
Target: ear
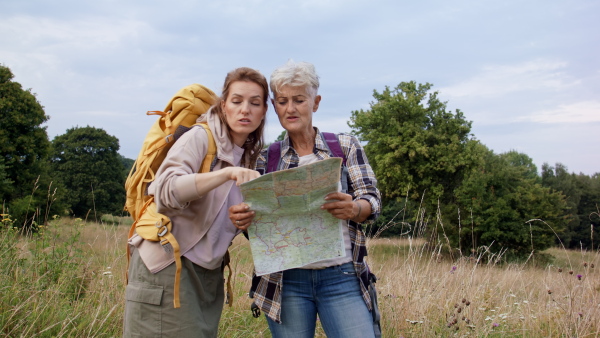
(317, 101)
(223, 105)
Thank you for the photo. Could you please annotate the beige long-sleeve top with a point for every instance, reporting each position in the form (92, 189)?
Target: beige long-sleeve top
(193, 216)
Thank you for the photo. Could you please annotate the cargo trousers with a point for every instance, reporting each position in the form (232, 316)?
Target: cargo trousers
(149, 310)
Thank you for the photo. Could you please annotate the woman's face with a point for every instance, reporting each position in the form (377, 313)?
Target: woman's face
(244, 109)
(295, 108)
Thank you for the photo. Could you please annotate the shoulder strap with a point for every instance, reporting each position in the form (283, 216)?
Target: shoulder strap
(273, 155)
(334, 146)
(212, 149)
(333, 143)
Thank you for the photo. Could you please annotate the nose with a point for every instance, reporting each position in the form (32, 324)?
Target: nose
(245, 108)
(289, 107)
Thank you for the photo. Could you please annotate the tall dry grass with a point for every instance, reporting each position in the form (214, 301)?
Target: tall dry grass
(424, 296)
(69, 281)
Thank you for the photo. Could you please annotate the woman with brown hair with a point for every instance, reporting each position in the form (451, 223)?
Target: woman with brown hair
(197, 204)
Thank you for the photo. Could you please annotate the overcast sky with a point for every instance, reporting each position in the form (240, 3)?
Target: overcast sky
(526, 73)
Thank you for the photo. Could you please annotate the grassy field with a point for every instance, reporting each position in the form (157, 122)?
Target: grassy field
(68, 281)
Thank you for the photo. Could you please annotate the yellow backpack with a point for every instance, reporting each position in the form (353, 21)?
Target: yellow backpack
(178, 117)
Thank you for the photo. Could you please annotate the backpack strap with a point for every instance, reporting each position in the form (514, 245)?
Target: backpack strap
(204, 168)
(273, 157)
(333, 143)
(212, 149)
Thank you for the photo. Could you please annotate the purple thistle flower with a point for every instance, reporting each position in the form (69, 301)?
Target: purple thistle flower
(453, 269)
(579, 277)
(495, 325)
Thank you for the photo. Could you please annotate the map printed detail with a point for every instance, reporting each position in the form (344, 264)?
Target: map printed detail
(290, 229)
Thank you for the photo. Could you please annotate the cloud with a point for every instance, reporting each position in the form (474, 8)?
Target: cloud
(579, 112)
(499, 80)
(88, 33)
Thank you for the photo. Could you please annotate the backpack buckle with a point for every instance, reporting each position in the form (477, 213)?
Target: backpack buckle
(168, 138)
(162, 229)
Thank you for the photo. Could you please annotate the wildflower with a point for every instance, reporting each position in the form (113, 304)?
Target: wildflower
(464, 300)
(453, 269)
(495, 324)
(559, 269)
(592, 265)
(584, 264)
(549, 291)
(579, 277)
(468, 303)
(571, 272)
(580, 314)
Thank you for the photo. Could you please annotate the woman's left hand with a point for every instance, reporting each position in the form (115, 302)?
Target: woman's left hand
(241, 216)
(341, 207)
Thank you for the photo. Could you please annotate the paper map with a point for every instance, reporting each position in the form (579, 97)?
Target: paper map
(290, 229)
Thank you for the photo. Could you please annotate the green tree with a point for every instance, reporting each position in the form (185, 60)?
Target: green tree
(24, 143)
(279, 138)
(127, 164)
(415, 145)
(583, 197)
(86, 161)
(588, 212)
(504, 208)
(517, 159)
(27, 191)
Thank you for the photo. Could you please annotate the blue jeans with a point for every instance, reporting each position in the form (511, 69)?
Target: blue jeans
(333, 294)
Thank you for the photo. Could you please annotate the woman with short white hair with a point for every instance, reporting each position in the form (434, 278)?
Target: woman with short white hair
(335, 290)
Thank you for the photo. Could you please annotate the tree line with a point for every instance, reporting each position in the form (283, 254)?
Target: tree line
(432, 172)
(79, 173)
(436, 177)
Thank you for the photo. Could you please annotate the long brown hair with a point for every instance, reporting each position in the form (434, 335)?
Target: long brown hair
(254, 143)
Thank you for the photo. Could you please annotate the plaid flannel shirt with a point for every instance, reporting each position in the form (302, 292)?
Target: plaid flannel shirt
(266, 289)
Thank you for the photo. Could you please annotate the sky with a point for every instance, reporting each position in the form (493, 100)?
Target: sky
(526, 73)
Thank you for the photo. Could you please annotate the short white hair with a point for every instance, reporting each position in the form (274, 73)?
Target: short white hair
(295, 74)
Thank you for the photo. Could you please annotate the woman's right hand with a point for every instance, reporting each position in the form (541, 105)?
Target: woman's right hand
(241, 175)
(241, 216)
